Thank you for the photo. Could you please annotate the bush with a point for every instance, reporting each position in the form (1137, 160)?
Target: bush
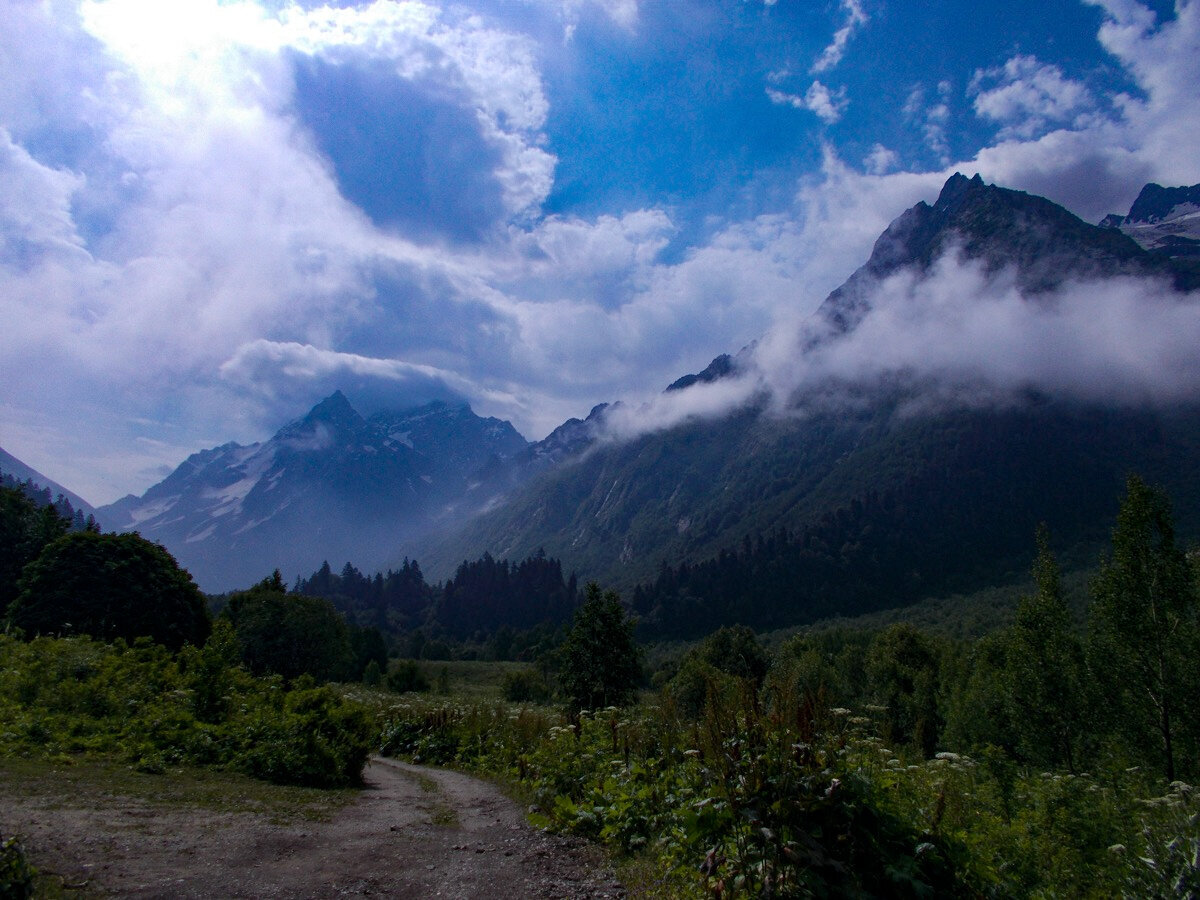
(525, 686)
(16, 874)
(405, 675)
(76, 695)
(110, 586)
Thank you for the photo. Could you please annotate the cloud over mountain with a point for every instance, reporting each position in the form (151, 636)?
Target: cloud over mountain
(211, 211)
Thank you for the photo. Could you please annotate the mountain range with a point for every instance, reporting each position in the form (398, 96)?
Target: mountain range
(439, 483)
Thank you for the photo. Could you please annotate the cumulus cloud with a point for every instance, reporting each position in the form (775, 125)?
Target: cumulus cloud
(832, 54)
(931, 117)
(1097, 166)
(1026, 96)
(880, 160)
(182, 262)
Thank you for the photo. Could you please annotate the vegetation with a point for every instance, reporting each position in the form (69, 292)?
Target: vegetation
(484, 599)
(109, 586)
(892, 761)
(65, 696)
(16, 874)
(1053, 756)
(599, 663)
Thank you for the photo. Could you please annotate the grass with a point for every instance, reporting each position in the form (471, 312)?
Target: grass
(468, 679)
(65, 779)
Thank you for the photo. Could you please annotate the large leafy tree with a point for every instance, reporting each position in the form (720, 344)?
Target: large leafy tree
(600, 665)
(903, 670)
(110, 586)
(290, 634)
(1045, 671)
(1144, 637)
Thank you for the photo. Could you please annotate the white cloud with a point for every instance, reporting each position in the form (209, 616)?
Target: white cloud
(880, 160)
(826, 104)
(1026, 96)
(832, 54)
(961, 337)
(227, 268)
(931, 118)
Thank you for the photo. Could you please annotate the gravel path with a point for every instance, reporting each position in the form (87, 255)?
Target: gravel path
(413, 832)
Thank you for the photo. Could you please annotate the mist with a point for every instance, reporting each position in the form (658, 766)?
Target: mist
(957, 336)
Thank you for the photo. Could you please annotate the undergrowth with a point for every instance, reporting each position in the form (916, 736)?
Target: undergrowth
(68, 696)
(786, 797)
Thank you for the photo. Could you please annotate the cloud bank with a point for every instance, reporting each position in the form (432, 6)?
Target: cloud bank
(192, 249)
(960, 337)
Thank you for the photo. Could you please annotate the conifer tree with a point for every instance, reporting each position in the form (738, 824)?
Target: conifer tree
(1143, 633)
(1045, 670)
(600, 663)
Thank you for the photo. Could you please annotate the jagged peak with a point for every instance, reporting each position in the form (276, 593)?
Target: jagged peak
(333, 410)
(956, 187)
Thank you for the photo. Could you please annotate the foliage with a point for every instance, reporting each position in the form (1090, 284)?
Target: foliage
(599, 663)
(16, 874)
(483, 598)
(778, 794)
(1045, 667)
(25, 528)
(903, 670)
(110, 586)
(525, 685)
(290, 634)
(76, 695)
(405, 675)
(1144, 631)
(726, 656)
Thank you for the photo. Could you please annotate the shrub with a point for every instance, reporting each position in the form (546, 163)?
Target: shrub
(16, 874)
(405, 675)
(525, 686)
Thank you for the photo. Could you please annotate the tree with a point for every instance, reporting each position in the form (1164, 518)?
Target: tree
(902, 667)
(1045, 671)
(1143, 632)
(110, 586)
(25, 528)
(289, 634)
(600, 665)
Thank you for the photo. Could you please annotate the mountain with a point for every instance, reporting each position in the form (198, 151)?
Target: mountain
(1165, 221)
(332, 485)
(13, 467)
(881, 500)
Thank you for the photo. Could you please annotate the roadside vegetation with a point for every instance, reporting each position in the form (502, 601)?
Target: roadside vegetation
(1054, 756)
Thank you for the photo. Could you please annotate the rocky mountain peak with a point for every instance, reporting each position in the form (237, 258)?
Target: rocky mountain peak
(1156, 202)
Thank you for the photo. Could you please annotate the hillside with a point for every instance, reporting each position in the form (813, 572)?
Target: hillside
(901, 486)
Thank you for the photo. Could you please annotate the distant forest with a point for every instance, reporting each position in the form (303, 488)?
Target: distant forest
(41, 496)
(483, 599)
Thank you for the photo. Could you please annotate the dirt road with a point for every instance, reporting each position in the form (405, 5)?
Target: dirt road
(413, 832)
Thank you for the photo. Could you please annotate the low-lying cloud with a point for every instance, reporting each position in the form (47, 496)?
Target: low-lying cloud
(957, 336)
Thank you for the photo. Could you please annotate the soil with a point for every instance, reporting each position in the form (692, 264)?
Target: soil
(412, 832)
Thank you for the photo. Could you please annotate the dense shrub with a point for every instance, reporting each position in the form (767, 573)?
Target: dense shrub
(525, 686)
(405, 675)
(76, 695)
(16, 874)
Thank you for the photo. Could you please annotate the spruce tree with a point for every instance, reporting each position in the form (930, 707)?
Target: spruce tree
(1143, 634)
(1045, 671)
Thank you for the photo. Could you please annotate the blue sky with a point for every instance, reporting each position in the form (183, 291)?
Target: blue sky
(214, 213)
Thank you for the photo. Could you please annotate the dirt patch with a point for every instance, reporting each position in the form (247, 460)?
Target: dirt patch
(412, 832)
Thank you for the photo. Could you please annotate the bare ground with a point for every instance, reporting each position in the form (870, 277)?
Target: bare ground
(412, 832)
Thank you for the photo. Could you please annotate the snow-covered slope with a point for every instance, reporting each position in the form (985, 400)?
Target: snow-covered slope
(1163, 220)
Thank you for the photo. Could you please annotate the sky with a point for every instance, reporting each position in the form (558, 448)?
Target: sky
(213, 214)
